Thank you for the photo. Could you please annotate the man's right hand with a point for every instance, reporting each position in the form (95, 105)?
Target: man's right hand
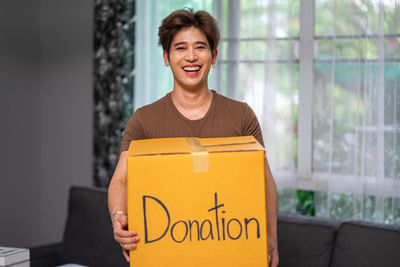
(127, 239)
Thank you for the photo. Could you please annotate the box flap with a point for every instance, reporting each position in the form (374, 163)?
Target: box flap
(188, 145)
(231, 144)
(159, 146)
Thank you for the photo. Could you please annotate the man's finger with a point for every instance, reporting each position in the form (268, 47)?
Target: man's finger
(127, 240)
(120, 231)
(274, 260)
(129, 246)
(123, 221)
(126, 254)
(124, 233)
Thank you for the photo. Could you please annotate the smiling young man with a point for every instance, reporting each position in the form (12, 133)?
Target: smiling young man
(189, 40)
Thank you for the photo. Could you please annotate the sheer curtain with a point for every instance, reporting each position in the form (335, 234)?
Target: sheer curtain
(356, 122)
(323, 79)
(259, 63)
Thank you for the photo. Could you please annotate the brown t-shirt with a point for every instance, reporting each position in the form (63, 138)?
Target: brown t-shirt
(161, 119)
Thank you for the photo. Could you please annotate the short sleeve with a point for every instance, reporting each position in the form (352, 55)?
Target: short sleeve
(251, 125)
(133, 131)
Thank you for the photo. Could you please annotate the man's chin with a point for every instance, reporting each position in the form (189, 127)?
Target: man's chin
(192, 87)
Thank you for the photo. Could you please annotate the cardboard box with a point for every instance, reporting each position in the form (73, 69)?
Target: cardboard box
(197, 202)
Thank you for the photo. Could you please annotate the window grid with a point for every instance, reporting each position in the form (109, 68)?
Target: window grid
(306, 178)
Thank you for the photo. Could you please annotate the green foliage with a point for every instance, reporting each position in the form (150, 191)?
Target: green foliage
(305, 202)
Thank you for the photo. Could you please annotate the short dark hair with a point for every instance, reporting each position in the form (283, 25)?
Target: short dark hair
(185, 18)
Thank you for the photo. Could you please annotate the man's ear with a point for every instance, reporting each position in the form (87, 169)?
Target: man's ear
(214, 56)
(166, 58)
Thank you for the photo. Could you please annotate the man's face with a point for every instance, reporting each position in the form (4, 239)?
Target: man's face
(190, 58)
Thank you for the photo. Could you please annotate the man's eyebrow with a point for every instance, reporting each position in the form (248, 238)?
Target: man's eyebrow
(183, 43)
(179, 43)
(203, 43)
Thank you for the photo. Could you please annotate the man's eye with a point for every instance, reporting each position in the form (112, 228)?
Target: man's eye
(180, 48)
(200, 47)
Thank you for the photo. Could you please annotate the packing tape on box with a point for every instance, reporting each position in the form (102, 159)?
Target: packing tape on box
(199, 155)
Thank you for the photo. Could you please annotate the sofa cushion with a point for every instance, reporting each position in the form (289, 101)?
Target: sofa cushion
(363, 244)
(305, 241)
(88, 236)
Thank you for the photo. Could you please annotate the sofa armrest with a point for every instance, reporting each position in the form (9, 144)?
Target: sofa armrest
(46, 255)
(305, 241)
(88, 237)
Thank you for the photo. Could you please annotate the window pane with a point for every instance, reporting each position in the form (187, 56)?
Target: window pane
(392, 21)
(253, 50)
(321, 117)
(281, 17)
(305, 202)
(262, 50)
(356, 49)
(287, 200)
(275, 101)
(321, 204)
(222, 51)
(392, 155)
(221, 88)
(341, 206)
(364, 17)
(392, 210)
(347, 206)
(392, 48)
(352, 104)
(369, 213)
(392, 93)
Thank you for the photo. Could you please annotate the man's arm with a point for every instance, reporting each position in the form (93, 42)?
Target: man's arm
(117, 203)
(272, 213)
(117, 187)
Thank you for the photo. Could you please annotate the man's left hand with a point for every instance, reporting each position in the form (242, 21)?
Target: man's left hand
(273, 253)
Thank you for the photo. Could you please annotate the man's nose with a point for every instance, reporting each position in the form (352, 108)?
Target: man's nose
(191, 54)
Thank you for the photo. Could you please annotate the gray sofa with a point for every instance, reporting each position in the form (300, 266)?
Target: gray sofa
(303, 241)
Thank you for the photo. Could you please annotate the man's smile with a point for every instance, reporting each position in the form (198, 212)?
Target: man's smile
(192, 68)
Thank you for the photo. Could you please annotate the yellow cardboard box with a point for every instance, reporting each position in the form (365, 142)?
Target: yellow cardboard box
(197, 202)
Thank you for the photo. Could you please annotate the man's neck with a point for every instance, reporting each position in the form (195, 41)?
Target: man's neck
(192, 104)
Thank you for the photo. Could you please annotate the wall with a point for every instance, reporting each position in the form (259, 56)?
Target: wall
(20, 184)
(66, 110)
(46, 104)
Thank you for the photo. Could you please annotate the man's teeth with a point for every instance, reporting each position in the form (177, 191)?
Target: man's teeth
(191, 68)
